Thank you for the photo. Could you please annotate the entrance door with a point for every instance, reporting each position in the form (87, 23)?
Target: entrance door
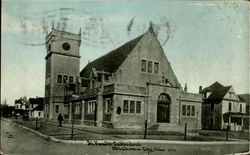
(163, 108)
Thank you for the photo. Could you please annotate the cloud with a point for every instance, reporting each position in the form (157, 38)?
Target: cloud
(9, 24)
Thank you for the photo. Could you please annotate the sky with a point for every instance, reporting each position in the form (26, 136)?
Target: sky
(205, 41)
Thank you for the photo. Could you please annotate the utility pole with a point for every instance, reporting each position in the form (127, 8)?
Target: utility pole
(72, 127)
(146, 113)
(185, 132)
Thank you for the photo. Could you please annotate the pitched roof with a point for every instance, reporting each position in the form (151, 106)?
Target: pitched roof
(111, 61)
(39, 107)
(244, 97)
(212, 87)
(218, 91)
(38, 100)
(18, 101)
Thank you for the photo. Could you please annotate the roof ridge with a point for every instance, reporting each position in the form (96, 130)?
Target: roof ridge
(117, 48)
(111, 61)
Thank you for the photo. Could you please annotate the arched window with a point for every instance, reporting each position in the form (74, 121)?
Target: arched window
(164, 98)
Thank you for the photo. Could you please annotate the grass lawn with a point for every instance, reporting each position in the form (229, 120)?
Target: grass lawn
(65, 133)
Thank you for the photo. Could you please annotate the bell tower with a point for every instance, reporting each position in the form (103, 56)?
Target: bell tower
(62, 67)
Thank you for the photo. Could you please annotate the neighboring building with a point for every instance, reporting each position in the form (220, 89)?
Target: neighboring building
(246, 99)
(62, 67)
(21, 105)
(36, 107)
(121, 89)
(222, 108)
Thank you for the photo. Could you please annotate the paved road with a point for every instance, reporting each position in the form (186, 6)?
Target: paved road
(16, 140)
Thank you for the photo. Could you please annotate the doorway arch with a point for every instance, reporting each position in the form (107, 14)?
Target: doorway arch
(163, 108)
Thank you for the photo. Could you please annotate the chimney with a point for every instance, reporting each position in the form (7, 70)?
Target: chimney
(80, 31)
(200, 89)
(185, 88)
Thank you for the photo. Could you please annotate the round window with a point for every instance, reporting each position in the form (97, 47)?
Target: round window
(66, 46)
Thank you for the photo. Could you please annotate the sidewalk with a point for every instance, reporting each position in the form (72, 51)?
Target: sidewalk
(84, 132)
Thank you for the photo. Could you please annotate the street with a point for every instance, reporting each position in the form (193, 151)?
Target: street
(16, 140)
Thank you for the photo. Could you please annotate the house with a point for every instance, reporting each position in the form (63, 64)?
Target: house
(126, 88)
(222, 108)
(36, 107)
(245, 98)
(21, 105)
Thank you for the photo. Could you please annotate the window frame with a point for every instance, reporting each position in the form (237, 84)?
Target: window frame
(192, 111)
(71, 77)
(148, 62)
(134, 101)
(123, 106)
(56, 109)
(229, 106)
(132, 107)
(107, 109)
(188, 110)
(59, 75)
(145, 65)
(184, 106)
(136, 107)
(91, 107)
(156, 62)
(65, 77)
(153, 64)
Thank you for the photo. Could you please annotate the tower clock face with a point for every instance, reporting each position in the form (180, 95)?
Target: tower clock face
(66, 46)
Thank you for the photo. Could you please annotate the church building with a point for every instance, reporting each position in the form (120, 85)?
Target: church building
(124, 88)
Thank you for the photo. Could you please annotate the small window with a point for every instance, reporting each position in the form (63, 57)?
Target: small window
(108, 106)
(65, 78)
(125, 106)
(240, 107)
(49, 47)
(150, 63)
(188, 110)
(193, 110)
(59, 79)
(156, 67)
(212, 106)
(71, 79)
(56, 108)
(77, 109)
(143, 65)
(39, 113)
(91, 107)
(183, 110)
(132, 107)
(106, 77)
(229, 106)
(138, 107)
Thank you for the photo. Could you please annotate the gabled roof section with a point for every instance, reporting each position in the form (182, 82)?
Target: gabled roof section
(212, 87)
(244, 98)
(18, 101)
(219, 93)
(38, 100)
(111, 61)
(39, 107)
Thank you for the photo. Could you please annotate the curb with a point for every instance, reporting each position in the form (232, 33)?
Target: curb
(51, 138)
